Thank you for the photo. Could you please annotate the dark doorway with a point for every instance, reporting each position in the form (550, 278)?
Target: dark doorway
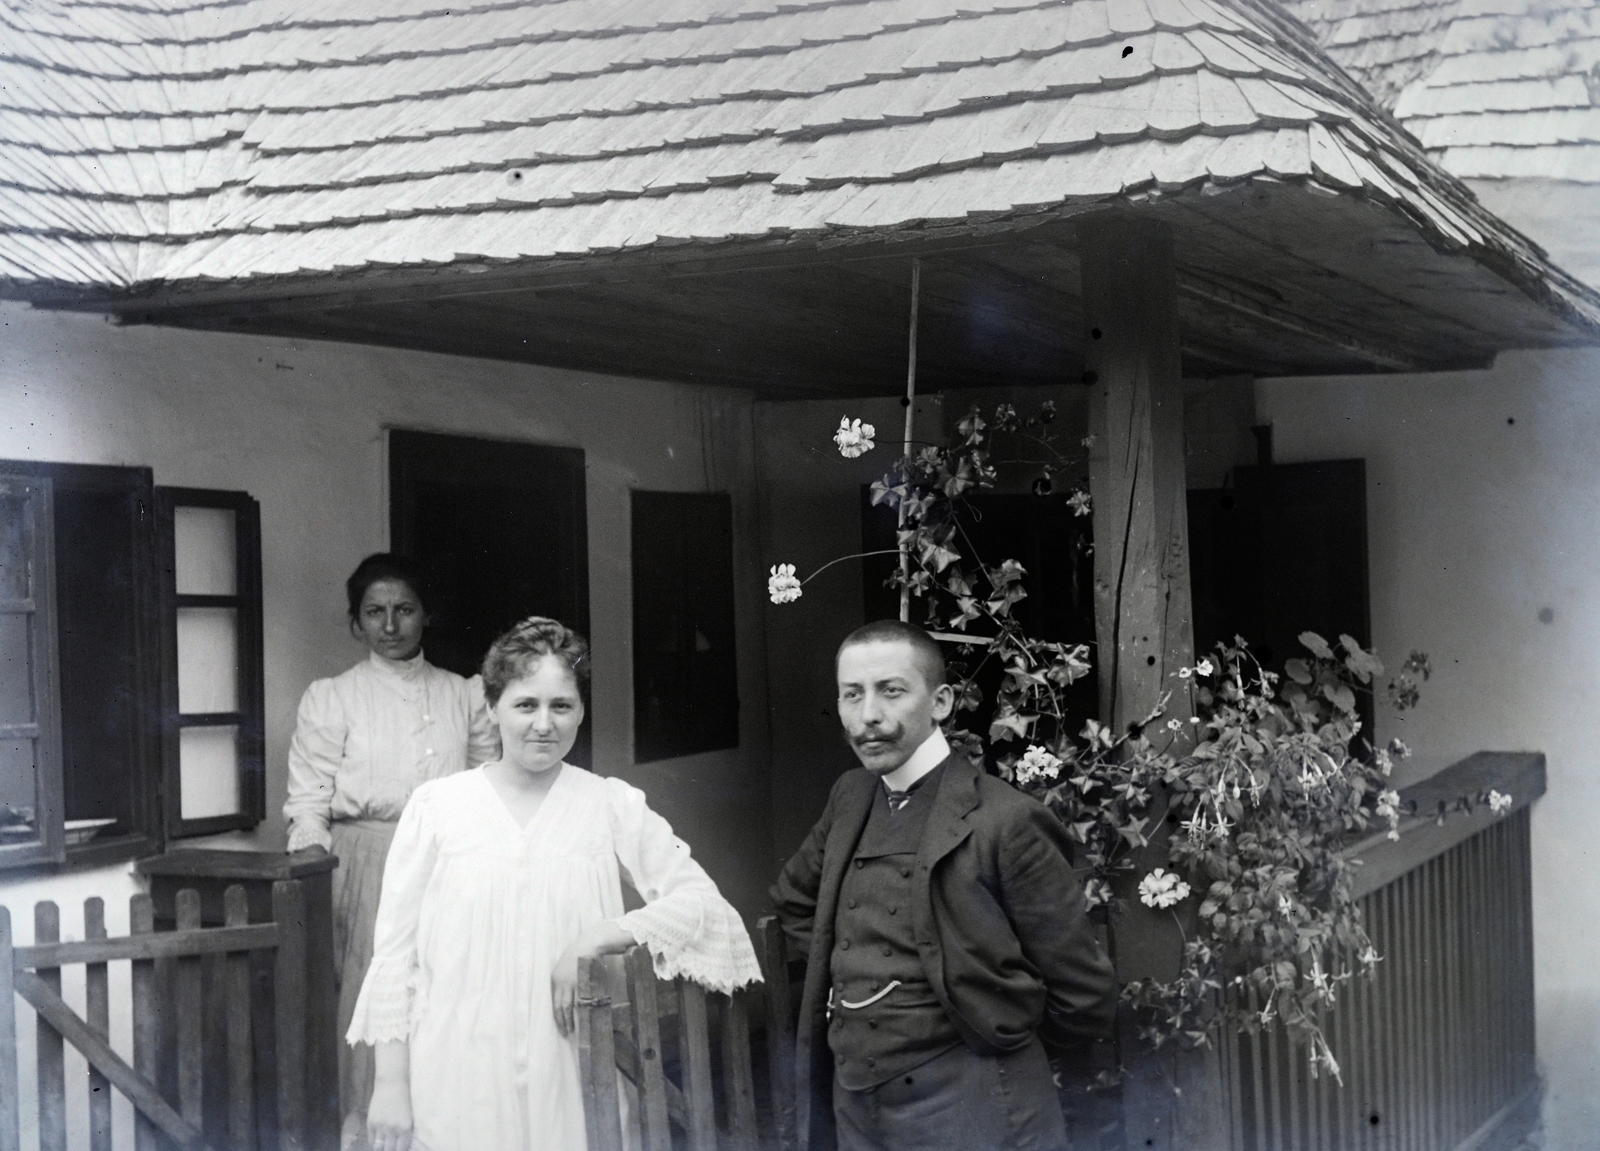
(1040, 533)
(501, 532)
(1284, 551)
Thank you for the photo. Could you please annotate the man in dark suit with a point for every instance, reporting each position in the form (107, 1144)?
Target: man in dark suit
(944, 927)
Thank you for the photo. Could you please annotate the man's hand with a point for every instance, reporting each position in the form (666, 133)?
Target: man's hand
(601, 939)
(389, 1116)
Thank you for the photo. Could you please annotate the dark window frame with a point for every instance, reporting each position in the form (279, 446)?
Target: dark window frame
(250, 716)
(135, 488)
(45, 728)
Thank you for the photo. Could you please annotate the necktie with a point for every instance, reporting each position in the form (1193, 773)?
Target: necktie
(898, 799)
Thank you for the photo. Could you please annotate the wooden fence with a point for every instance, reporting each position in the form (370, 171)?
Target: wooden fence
(1437, 1052)
(205, 1074)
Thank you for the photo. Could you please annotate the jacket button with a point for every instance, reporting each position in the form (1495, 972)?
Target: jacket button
(860, 863)
(905, 873)
(844, 945)
(851, 905)
(892, 910)
(872, 1062)
(873, 1024)
(887, 950)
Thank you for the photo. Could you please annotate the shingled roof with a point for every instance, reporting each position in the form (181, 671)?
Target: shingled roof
(1494, 89)
(167, 155)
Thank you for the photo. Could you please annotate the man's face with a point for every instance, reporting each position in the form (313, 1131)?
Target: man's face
(885, 703)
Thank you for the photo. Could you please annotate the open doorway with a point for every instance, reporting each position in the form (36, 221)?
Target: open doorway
(500, 530)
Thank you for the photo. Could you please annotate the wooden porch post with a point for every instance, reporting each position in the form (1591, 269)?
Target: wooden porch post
(1143, 619)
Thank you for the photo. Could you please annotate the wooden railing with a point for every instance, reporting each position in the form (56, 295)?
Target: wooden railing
(1437, 1052)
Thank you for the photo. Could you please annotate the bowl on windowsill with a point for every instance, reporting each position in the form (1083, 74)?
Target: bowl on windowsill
(81, 831)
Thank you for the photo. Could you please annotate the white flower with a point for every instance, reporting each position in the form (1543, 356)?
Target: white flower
(1185, 672)
(1079, 503)
(1398, 748)
(1162, 889)
(1096, 892)
(1037, 764)
(782, 585)
(1383, 761)
(1499, 802)
(1370, 957)
(1087, 441)
(1389, 805)
(854, 438)
(1204, 667)
(1174, 725)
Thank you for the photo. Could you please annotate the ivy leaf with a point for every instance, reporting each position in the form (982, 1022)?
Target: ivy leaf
(1010, 725)
(967, 612)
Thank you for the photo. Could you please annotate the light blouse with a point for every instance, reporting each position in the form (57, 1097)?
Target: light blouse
(476, 911)
(364, 740)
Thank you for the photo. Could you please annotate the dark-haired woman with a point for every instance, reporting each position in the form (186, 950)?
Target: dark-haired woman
(499, 882)
(363, 742)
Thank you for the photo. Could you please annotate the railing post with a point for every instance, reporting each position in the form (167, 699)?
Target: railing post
(241, 1067)
(146, 1017)
(97, 1001)
(49, 1051)
(780, 1026)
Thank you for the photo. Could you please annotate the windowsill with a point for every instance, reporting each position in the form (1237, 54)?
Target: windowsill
(88, 857)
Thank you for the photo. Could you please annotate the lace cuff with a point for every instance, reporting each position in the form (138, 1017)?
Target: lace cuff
(383, 1009)
(304, 833)
(710, 948)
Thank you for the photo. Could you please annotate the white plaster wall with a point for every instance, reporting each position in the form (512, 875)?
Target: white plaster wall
(1484, 523)
(301, 426)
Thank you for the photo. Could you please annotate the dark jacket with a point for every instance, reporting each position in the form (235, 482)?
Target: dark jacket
(999, 916)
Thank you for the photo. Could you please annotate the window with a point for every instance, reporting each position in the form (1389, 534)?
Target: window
(96, 640)
(96, 531)
(685, 677)
(30, 738)
(211, 683)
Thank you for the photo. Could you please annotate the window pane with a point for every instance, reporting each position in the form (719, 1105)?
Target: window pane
(205, 559)
(19, 792)
(15, 542)
(208, 766)
(208, 660)
(16, 670)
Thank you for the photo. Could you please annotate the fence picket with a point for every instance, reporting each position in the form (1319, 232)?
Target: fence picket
(774, 949)
(187, 992)
(146, 1016)
(598, 1056)
(241, 1068)
(647, 1042)
(696, 1048)
(49, 1052)
(10, 1088)
(289, 998)
(97, 1004)
(741, 1094)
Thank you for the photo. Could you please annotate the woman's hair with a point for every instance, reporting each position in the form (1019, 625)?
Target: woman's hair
(525, 644)
(383, 566)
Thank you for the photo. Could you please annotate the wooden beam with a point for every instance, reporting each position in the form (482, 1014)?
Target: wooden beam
(1143, 618)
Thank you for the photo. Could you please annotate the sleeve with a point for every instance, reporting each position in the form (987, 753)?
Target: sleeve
(315, 752)
(1044, 900)
(383, 1008)
(483, 735)
(795, 893)
(690, 929)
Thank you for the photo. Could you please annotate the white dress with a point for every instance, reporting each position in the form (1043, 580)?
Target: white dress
(474, 914)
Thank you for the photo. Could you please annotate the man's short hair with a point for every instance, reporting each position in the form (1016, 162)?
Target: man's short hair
(930, 660)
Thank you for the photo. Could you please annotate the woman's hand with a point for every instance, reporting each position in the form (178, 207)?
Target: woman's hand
(601, 939)
(312, 852)
(389, 1114)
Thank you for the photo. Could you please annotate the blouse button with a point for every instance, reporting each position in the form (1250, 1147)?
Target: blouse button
(430, 751)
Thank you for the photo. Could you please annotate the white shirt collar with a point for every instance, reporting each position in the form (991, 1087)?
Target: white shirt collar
(404, 668)
(933, 751)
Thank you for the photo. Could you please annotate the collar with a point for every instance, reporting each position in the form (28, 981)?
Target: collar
(404, 668)
(933, 751)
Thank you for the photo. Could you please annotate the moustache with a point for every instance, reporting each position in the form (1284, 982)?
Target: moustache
(883, 736)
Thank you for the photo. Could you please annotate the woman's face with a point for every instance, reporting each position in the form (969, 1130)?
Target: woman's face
(539, 715)
(391, 619)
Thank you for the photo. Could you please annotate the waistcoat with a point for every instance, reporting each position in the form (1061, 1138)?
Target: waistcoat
(886, 1019)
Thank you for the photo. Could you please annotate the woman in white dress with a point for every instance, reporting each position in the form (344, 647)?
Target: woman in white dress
(499, 881)
(362, 743)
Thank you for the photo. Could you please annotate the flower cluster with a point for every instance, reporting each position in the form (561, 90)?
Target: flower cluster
(1388, 809)
(1162, 889)
(782, 586)
(854, 438)
(1499, 802)
(1080, 503)
(1036, 766)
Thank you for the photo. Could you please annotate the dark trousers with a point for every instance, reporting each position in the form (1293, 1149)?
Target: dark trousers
(960, 1101)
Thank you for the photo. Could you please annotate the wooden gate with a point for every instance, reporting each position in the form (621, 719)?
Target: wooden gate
(199, 1060)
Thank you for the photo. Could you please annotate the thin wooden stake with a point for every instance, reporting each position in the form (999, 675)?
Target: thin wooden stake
(598, 1057)
(736, 1073)
(97, 1001)
(911, 407)
(695, 1036)
(191, 1062)
(289, 1000)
